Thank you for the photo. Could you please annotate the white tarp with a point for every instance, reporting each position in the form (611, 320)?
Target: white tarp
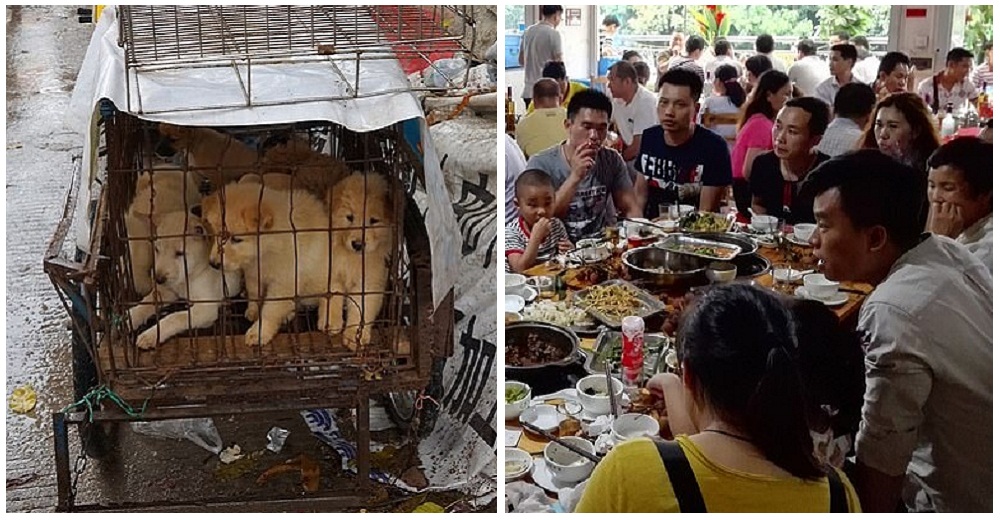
(102, 75)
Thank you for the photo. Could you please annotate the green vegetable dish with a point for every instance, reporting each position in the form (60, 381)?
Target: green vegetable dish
(513, 395)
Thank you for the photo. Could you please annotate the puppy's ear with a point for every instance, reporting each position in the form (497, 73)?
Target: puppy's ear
(196, 210)
(258, 217)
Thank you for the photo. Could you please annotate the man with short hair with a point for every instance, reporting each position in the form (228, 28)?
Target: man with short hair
(926, 434)
(765, 45)
(587, 174)
(678, 158)
(540, 44)
(843, 56)
(543, 127)
(557, 71)
(609, 27)
(950, 85)
(983, 74)
(852, 108)
(866, 69)
(777, 176)
(634, 107)
(839, 38)
(693, 49)
(631, 56)
(723, 56)
(808, 71)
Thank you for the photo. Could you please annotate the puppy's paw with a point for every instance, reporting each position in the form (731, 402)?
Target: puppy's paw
(258, 334)
(253, 311)
(349, 341)
(146, 340)
(137, 317)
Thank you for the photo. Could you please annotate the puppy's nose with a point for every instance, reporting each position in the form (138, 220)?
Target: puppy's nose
(214, 264)
(161, 278)
(357, 245)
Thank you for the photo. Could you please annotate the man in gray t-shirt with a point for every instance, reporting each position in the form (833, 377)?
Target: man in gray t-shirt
(585, 173)
(540, 44)
(926, 435)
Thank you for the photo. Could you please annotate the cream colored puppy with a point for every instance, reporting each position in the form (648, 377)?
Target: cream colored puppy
(156, 193)
(218, 156)
(362, 203)
(182, 273)
(256, 238)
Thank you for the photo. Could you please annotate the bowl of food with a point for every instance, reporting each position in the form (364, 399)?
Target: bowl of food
(565, 464)
(764, 223)
(705, 222)
(662, 267)
(803, 231)
(538, 353)
(517, 395)
(721, 272)
(592, 392)
(819, 287)
(633, 426)
(517, 464)
(592, 250)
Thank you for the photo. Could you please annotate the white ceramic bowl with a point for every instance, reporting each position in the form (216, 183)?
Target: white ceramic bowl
(598, 404)
(513, 303)
(566, 465)
(764, 222)
(513, 410)
(517, 464)
(685, 209)
(721, 272)
(804, 231)
(543, 417)
(633, 426)
(786, 274)
(513, 283)
(819, 287)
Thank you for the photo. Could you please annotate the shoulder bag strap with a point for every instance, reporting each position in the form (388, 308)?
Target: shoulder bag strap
(838, 495)
(937, 105)
(681, 477)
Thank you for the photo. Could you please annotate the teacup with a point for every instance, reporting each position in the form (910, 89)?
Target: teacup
(804, 231)
(819, 287)
(514, 283)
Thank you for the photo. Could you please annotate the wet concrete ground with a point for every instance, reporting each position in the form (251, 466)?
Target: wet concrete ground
(45, 47)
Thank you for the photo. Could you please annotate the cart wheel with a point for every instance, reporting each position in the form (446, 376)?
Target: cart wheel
(402, 406)
(98, 439)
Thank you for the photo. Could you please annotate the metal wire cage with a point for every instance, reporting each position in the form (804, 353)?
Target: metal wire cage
(212, 369)
(242, 38)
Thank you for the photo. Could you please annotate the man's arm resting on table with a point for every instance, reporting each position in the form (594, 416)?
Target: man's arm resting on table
(711, 198)
(627, 203)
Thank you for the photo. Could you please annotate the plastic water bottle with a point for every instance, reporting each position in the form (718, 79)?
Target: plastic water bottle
(948, 126)
(633, 328)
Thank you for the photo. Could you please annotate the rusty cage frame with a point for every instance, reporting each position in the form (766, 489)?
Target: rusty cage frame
(210, 371)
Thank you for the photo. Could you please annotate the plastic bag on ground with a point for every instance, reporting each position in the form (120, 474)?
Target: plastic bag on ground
(200, 431)
(443, 70)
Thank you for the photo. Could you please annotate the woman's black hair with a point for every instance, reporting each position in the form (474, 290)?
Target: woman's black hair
(770, 82)
(729, 77)
(832, 363)
(738, 344)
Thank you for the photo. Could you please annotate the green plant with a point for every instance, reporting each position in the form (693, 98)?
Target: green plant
(712, 21)
(978, 28)
(852, 19)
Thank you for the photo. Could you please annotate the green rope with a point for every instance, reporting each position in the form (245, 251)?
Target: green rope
(94, 397)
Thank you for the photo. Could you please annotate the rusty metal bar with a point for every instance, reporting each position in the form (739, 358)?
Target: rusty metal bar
(63, 479)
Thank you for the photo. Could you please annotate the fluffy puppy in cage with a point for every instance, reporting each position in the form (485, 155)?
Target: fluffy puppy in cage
(309, 169)
(363, 216)
(157, 192)
(219, 157)
(265, 234)
(182, 272)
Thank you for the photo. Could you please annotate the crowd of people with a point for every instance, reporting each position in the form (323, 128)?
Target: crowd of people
(849, 143)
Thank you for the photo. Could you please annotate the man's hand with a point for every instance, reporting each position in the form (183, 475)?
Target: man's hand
(583, 160)
(540, 231)
(945, 218)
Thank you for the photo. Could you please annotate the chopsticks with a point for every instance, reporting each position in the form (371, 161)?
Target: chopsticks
(611, 390)
(552, 438)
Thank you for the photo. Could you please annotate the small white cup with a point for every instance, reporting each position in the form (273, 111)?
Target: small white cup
(819, 287)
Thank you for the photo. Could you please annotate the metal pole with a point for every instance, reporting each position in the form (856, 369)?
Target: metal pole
(65, 500)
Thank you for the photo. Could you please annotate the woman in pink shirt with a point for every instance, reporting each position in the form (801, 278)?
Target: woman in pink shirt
(754, 130)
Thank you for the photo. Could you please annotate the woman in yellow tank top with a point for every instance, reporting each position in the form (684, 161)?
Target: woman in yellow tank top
(746, 400)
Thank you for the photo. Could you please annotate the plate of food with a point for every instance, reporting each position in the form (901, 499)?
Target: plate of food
(613, 300)
(706, 222)
(700, 247)
(565, 314)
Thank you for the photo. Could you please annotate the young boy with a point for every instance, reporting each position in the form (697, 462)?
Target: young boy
(534, 235)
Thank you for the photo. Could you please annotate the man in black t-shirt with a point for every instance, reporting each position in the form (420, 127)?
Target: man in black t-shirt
(777, 176)
(681, 159)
